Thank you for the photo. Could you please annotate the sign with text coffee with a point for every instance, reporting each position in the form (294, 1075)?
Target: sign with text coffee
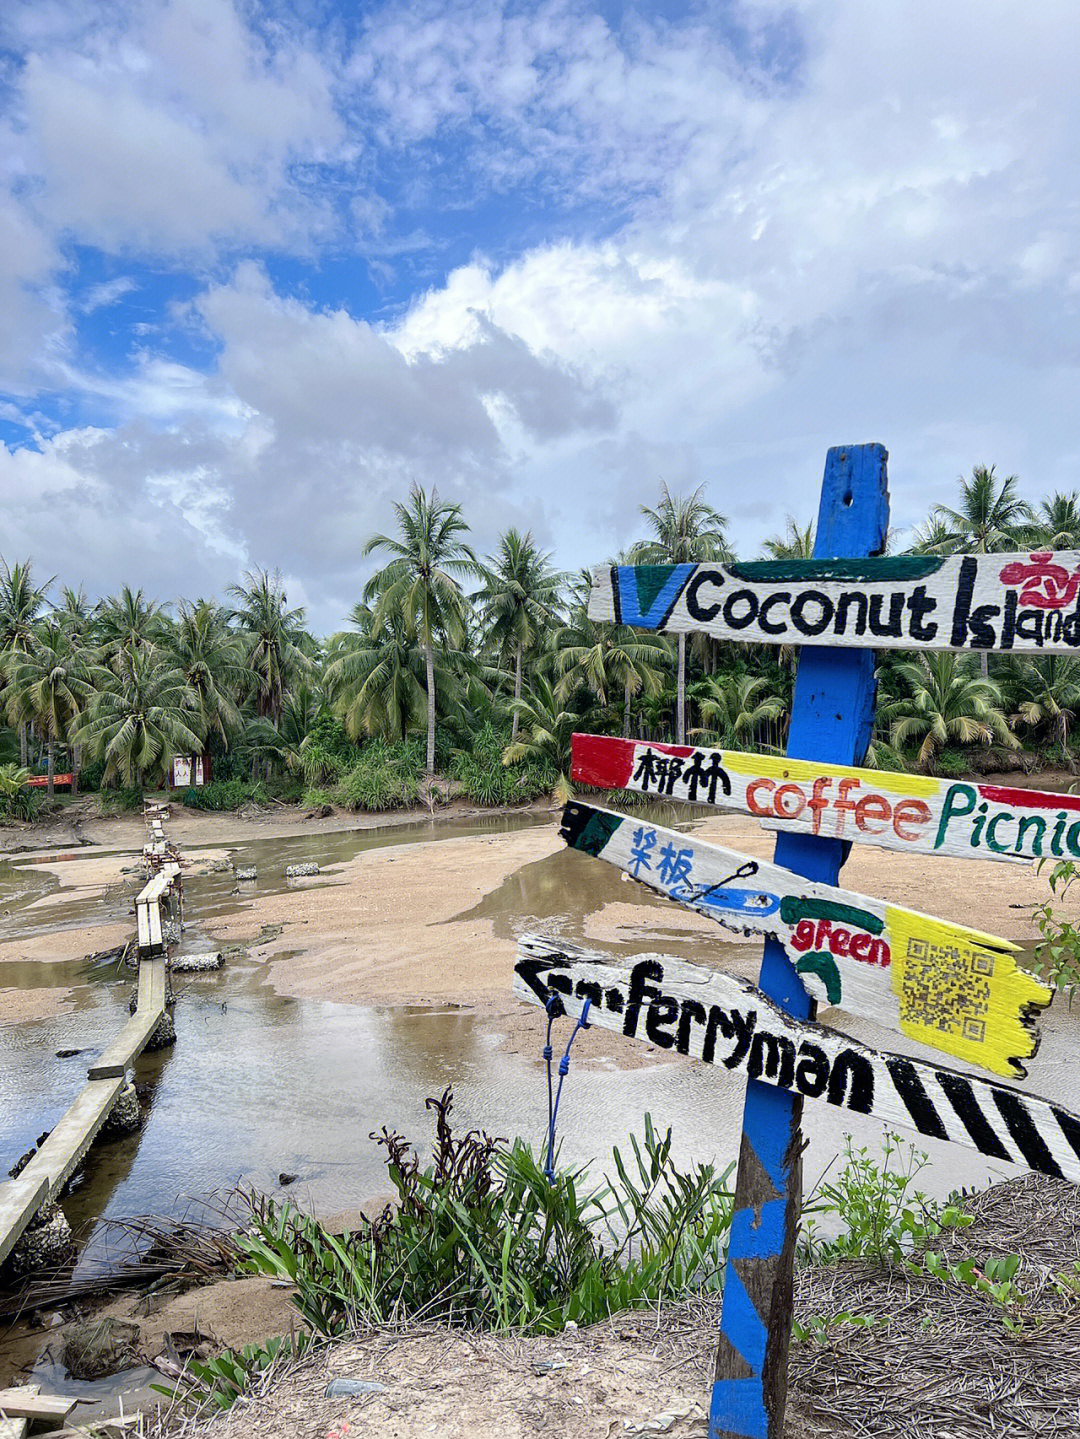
(1028, 601)
(952, 988)
(915, 814)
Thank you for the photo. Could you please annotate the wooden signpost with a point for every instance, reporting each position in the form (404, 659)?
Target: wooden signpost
(916, 814)
(954, 989)
(722, 1020)
(1028, 601)
(950, 987)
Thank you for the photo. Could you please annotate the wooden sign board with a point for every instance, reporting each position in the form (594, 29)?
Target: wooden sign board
(1028, 601)
(915, 814)
(952, 988)
(725, 1021)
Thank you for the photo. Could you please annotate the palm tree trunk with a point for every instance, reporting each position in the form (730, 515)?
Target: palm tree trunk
(22, 747)
(680, 701)
(626, 711)
(517, 693)
(984, 664)
(52, 767)
(429, 656)
(76, 766)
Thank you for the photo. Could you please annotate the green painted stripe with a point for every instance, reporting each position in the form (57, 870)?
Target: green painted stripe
(596, 833)
(793, 908)
(824, 966)
(880, 570)
(650, 580)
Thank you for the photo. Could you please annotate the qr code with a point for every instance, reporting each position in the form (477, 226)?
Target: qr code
(947, 988)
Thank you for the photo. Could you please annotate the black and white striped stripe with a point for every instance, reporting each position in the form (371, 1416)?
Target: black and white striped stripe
(726, 1021)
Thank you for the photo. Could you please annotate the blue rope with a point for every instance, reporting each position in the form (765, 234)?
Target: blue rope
(564, 1070)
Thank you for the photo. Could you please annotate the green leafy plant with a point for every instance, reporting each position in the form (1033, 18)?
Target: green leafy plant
(16, 800)
(820, 1327)
(487, 780)
(885, 1218)
(993, 1278)
(1057, 956)
(218, 1382)
(224, 794)
(482, 1238)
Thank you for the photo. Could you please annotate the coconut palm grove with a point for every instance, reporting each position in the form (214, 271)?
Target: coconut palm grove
(463, 673)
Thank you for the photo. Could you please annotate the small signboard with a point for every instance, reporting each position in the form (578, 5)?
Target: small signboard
(1028, 601)
(915, 814)
(722, 1020)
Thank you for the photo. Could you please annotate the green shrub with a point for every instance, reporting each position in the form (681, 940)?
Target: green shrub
(16, 800)
(224, 794)
(385, 776)
(483, 1239)
(121, 801)
(1057, 955)
(316, 798)
(486, 780)
(884, 1217)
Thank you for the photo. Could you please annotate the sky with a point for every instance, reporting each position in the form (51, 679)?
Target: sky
(263, 266)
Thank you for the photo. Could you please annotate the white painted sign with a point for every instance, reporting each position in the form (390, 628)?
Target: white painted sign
(1027, 601)
(915, 814)
(725, 1021)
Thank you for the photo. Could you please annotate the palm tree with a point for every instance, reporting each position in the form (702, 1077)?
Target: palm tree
(48, 687)
(128, 622)
(210, 656)
(948, 702)
(685, 530)
(518, 602)
(277, 648)
(419, 584)
(375, 678)
(933, 537)
(547, 732)
(21, 602)
(1046, 694)
(607, 658)
(991, 517)
(140, 717)
(793, 544)
(1057, 524)
(733, 706)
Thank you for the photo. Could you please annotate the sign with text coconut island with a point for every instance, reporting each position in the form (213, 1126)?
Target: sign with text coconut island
(1027, 601)
(951, 988)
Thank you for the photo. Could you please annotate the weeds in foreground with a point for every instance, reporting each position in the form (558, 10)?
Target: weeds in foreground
(1057, 956)
(481, 1238)
(885, 1218)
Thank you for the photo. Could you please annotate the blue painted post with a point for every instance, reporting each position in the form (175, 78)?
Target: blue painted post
(831, 719)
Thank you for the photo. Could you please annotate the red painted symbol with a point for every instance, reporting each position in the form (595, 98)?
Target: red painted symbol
(1046, 586)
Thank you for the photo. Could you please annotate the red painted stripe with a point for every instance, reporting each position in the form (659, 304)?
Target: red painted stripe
(608, 762)
(1028, 798)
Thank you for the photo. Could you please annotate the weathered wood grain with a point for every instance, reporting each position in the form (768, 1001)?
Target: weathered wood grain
(725, 1021)
(915, 814)
(25, 1403)
(1028, 601)
(952, 988)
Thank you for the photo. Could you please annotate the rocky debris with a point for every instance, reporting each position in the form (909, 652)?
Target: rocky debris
(95, 1348)
(322, 811)
(46, 1241)
(246, 873)
(126, 1113)
(67, 1053)
(345, 1388)
(285, 1178)
(301, 871)
(196, 963)
(171, 931)
(108, 956)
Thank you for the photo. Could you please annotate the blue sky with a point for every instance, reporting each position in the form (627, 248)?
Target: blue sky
(262, 266)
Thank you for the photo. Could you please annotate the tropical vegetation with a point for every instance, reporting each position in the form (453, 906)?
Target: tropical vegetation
(462, 672)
